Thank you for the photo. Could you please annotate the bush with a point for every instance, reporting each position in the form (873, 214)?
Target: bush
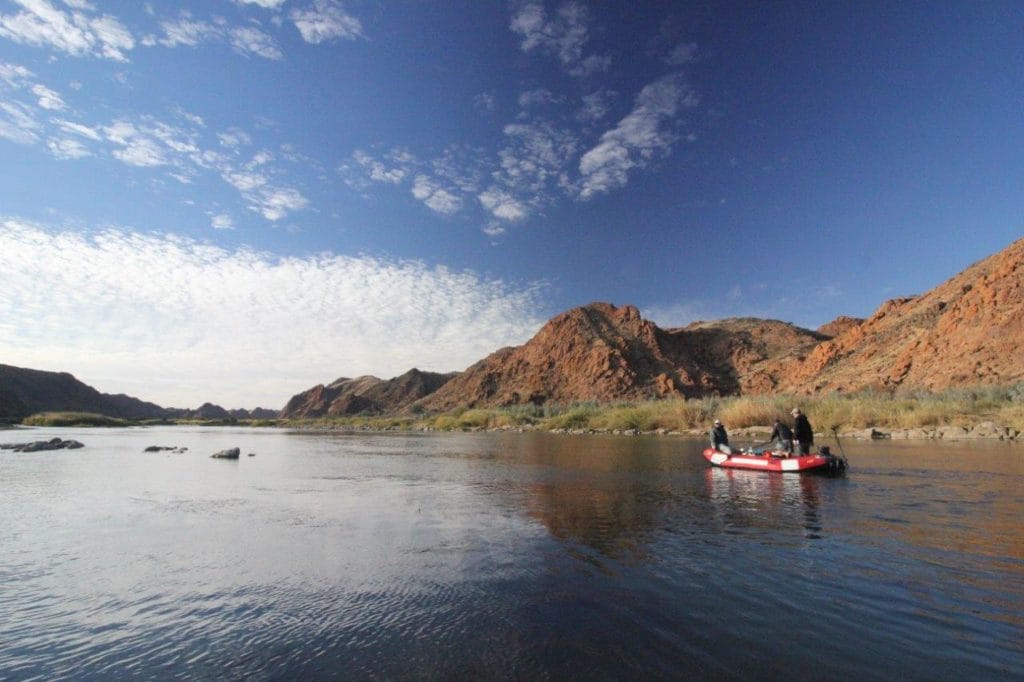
(73, 419)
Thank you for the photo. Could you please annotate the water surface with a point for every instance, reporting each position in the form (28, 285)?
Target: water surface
(502, 556)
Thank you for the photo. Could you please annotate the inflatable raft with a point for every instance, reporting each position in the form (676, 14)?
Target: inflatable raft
(820, 462)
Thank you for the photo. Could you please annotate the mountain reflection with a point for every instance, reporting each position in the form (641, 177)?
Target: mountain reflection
(606, 495)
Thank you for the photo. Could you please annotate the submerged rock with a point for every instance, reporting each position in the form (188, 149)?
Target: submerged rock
(231, 453)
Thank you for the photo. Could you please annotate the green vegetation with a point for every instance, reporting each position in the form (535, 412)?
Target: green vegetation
(959, 407)
(73, 419)
(955, 407)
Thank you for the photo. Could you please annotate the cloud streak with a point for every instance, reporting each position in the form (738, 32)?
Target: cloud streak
(180, 322)
(643, 135)
(325, 21)
(79, 33)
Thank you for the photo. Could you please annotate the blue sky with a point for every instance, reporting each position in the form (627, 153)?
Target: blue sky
(234, 200)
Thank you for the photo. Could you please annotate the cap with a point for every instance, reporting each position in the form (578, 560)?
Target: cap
(796, 410)
(717, 422)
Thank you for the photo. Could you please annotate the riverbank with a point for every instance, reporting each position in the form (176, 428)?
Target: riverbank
(988, 413)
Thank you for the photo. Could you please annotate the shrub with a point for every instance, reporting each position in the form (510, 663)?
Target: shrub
(73, 419)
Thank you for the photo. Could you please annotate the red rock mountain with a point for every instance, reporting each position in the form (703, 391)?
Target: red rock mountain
(603, 353)
(967, 331)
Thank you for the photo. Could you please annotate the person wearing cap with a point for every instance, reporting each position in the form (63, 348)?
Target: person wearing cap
(782, 436)
(719, 438)
(802, 431)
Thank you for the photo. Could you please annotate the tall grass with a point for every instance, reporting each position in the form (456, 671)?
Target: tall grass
(72, 419)
(959, 407)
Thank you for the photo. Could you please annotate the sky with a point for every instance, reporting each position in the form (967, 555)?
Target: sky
(235, 200)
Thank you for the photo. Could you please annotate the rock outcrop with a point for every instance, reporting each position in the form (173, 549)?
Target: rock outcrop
(604, 353)
(364, 395)
(43, 445)
(968, 331)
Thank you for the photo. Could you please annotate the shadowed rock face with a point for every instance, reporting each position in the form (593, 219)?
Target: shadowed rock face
(26, 391)
(364, 395)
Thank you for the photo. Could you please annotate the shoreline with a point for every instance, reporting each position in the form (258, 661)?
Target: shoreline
(987, 431)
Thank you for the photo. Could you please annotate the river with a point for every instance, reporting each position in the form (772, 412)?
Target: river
(502, 556)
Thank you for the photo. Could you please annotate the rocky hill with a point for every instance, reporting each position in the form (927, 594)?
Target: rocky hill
(27, 391)
(24, 392)
(967, 331)
(364, 395)
(603, 353)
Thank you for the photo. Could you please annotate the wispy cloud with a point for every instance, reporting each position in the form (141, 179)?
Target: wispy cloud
(80, 32)
(644, 134)
(17, 123)
(222, 221)
(190, 32)
(270, 199)
(436, 197)
(503, 205)
(179, 322)
(14, 75)
(485, 101)
(250, 40)
(266, 4)
(595, 106)
(326, 20)
(187, 31)
(48, 99)
(561, 144)
(397, 168)
(174, 146)
(683, 53)
(66, 148)
(564, 35)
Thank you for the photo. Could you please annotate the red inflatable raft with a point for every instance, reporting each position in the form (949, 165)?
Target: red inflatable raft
(821, 462)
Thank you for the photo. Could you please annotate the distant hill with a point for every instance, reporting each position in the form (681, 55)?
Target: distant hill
(24, 392)
(27, 391)
(364, 395)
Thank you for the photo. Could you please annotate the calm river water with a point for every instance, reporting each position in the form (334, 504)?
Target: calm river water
(503, 556)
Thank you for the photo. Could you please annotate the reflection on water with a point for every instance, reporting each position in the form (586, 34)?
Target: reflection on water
(503, 556)
(752, 499)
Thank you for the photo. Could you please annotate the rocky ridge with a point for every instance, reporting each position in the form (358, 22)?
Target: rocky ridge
(966, 331)
(364, 395)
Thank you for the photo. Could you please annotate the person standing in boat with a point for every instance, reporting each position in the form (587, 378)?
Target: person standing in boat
(782, 436)
(802, 431)
(719, 438)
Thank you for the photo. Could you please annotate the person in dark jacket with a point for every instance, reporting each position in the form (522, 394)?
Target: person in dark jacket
(719, 438)
(802, 432)
(782, 436)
